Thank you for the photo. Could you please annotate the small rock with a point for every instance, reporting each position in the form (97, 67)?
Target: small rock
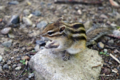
(18, 68)
(37, 48)
(2, 8)
(7, 43)
(100, 45)
(2, 50)
(103, 16)
(27, 79)
(13, 2)
(41, 43)
(37, 13)
(115, 70)
(113, 24)
(1, 69)
(116, 51)
(26, 12)
(1, 58)
(105, 50)
(100, 8)
(27, 21)
(11, 36)
(14, 65)
(6, 30)
(5, 66)
(42, 25)
(15, 19)
(111, 41)
(79, 12)
(29, 48)
(88, 24)
(31, 75)
(106, 71)
(116, 33)
(25, 58)
(9, 62)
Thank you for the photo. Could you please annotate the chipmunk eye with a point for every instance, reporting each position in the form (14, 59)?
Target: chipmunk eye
(61, 29)
(50, 33)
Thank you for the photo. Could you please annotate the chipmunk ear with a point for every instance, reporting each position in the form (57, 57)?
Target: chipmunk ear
(62, 28)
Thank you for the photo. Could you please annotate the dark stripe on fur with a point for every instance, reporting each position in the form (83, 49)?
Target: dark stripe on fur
(79, 38)
(78, 25)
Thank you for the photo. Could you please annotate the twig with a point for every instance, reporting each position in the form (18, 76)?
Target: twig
(115, 58)
(78, 2)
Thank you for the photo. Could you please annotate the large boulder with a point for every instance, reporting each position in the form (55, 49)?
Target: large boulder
(49, 66)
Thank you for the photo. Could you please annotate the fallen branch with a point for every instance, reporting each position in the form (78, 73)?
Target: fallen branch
(78, 2)
(115, 58)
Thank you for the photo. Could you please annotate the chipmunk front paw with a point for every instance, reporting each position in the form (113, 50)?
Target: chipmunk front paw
(65, 56)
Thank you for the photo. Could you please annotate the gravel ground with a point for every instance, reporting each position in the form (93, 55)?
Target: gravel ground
(20, 40)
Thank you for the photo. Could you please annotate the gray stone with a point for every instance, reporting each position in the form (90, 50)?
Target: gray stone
(27, 79)
(7, 43)
(31, 75)
(2, 8)
(1, 58)
(111, 41)
(100, 45)
(15, 19)
(1, 69)
(13, 2)
(6, 30)
(37, 13)
(26, 12)
(5, 66)
(49, 66)
(42, 25)
(37, 48)
(27, 21)
(18, 68)
(103, 16)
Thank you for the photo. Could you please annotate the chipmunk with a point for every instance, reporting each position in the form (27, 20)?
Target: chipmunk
(71, 37)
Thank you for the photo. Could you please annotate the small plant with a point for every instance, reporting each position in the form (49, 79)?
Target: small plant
(104, 53)
(22, 61)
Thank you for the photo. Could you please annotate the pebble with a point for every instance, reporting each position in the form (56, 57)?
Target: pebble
(37, 48)
(11, 36)
(116, 33)
(25, 58)
(1, 69)
(41, 43)
(116, 51)
(26, 12)
(42, 25)
(113, 24)
(27, 21)
(100, 45)
(9, 62)
(13, 2)
(31, 75)
(6, 30)
(14, 65)
(18, 68)
(111, 41)
(27, 79)
(2, 8)
(1, 58)
(15, 19)
(37, 13)
(7, 43)
(105, 50)
(103, 16)
(5, 66)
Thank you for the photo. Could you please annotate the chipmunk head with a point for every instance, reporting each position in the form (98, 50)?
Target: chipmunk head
(53, 30)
